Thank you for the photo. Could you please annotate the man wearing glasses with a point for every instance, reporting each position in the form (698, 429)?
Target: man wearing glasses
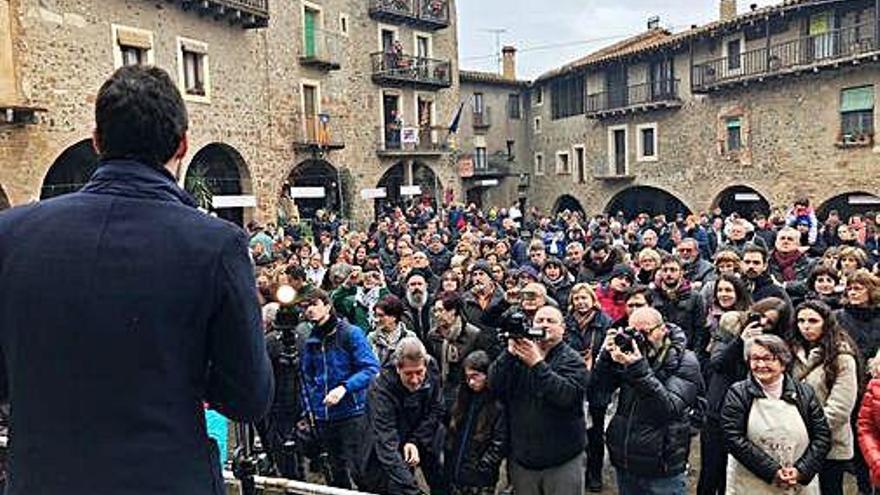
(697, 270)
(659, 380)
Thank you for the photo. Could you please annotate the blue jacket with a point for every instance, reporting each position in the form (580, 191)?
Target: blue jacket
(123, 310)
(342, 357)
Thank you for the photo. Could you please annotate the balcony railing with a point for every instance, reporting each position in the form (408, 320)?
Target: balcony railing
(638, 97)
(395, 69)
(246, 13)
(399, 141)
(806, 52)
(427, 14)
(316, 132)
(322, 49)
(483, 119)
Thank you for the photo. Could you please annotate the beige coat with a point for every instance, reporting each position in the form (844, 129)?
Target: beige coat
(839, 402)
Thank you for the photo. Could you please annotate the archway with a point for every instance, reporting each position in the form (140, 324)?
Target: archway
(742, 200)
(568, 202)
(646, 199)
(394, 181)
(323, 183)
(849, 204)
(219, 172)
(71, 170)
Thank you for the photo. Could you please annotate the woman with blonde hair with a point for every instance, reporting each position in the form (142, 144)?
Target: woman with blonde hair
(648, 262)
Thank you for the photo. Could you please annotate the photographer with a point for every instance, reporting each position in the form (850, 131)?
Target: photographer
(659, 381)
(337, 367)
(542, 383)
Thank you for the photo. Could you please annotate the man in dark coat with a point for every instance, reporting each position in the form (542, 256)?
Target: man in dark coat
(124, 310)
(681, 305)
(755, 273)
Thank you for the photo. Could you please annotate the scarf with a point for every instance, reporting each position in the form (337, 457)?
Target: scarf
(787, 262)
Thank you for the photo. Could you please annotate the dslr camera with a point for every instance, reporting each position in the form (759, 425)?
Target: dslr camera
(517, 326)
(628, 338)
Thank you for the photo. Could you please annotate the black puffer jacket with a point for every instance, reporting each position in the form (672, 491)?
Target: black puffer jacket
(649, 434)
(726, 365)
(545, 406)
(734, 423)
(684, 307)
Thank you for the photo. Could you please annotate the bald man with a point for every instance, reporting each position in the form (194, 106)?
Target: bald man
(659, 380)
(542, 384)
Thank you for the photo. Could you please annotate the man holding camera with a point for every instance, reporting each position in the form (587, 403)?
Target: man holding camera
(542, 382)
(337, 367)
(660, 381)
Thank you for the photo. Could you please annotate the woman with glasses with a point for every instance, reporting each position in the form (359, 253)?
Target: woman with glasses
(388, 330)
(450, 339)
(826, 358)
(774, 426)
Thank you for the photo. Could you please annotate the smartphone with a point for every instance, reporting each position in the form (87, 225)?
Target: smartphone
(754, 318)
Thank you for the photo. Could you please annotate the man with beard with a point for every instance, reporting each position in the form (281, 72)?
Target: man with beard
(787, 262)
(681, 305)
(600, 261)
(404, 425)
(759, 282)
(697, 270)
(585, 328)
(484, 302)
(557, 280)
(417, 315)
(438, 256)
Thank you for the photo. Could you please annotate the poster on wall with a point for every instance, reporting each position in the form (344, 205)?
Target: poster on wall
(409, 135)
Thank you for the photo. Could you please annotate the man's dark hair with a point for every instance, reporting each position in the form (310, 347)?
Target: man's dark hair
(755, 248)
(317, 295)
(295, 272)
(671, 258)
(392, 306)
(451, 301)
(637, 289)
(140, 115)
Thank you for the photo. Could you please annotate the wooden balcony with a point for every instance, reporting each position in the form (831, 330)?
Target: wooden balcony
(394, 69)
(646, 97)
(315, 133)
(248, 14)
(830, 50)
(422, 14)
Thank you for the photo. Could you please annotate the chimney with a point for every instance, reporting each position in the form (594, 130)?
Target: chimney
(508, 62)
(727, 9)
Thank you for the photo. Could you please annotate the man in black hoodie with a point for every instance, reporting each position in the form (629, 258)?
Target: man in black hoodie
(542, 384)
(598, 263)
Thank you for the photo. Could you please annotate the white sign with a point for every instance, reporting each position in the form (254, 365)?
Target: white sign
(247, 201)
(863, 199)
(409, 135)
(410, 190)
(489, 182)
(377, 193)
(307, 192)
(746, 197)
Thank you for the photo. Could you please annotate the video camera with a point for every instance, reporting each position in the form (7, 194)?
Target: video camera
(628, 338)
(517, 326)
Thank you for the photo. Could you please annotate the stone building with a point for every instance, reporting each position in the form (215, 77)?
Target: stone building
(315, 99)
(744, 113)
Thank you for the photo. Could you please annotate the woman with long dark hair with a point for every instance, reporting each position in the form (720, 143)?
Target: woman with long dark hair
(477, 438)
(826, 358)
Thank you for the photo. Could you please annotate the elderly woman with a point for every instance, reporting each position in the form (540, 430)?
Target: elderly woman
(826, 358)
(648, 263)
(774, 426)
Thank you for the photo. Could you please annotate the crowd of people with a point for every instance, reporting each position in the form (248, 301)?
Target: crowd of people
(503, 348)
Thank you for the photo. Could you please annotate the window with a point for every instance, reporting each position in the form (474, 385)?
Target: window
(510, 145)
(734, 59)
(423, 46)
(537, 125)
(513, 107)
(856, 113)
(563, 163)
(312, 24)
(579, 165)
(478, 102)
(618, 152)
(193, 72)
(539, 95)
(539, 164)
(481, 159)
(343, 24)
(647, 144)
(734, 133)
(567, 96)
(132, 46)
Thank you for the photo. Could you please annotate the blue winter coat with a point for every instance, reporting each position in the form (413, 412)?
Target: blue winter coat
(341, 358)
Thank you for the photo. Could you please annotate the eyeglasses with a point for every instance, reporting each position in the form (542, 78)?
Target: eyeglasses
(763, 359)
(636, 305)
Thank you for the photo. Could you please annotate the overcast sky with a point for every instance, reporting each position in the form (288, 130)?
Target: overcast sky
(538, 27)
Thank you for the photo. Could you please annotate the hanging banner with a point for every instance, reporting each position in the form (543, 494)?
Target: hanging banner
(230, 201)
(307, 192)
(410, 190)
(376, 193)
(409, 135)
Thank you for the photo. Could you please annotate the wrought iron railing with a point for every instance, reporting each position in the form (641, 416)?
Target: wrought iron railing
(433, 13)
(397, 139)
(637, 94)
(322, 47)
(321, 130)
(483, 118)
(257, 7)
(400, 68)
(805, 51)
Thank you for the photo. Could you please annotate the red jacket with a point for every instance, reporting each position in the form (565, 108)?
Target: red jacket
(613, 303)
(868, 428)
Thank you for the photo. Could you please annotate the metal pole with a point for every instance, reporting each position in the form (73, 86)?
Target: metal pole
(341, 193)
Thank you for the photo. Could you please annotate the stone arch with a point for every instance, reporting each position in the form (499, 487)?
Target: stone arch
(221, 169)
(315, 173)
(848, 204)
(568, 202)
(71, 170)
(646, 199)
(741, 199)
(413, 173)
